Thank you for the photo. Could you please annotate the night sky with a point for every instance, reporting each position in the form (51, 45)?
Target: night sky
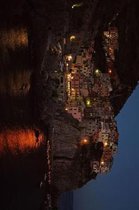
(119, 189)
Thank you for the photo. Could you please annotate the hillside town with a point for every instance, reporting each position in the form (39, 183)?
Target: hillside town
(84, 91)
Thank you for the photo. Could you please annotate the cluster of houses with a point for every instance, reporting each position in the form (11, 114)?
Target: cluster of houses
(110, 38)
(98, 124)
(85, 91)
(110, 45)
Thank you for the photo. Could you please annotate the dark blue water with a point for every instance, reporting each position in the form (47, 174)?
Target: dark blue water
(66, 201)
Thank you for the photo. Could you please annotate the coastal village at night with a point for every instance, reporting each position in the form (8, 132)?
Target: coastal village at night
(64, 77)
(84, 91)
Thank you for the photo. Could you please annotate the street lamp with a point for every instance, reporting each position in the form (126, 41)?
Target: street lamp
(110, 71)
(102, 162)
(72, 38)
(69, 57)
(84, 141)
(105, 144)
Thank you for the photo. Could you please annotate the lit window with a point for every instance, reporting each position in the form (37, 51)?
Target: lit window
(88, 102)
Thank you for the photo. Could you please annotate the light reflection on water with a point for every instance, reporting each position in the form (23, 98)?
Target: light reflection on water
(15, 70)
(14, 38)
(15, 84)
(21, 140)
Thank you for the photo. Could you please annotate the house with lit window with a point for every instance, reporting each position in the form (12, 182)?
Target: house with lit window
(79, 60)
(89, 127)
(114, 148)
(95, 166)
(105, 166)
(75, 86)
(75, 111)
(89, 113)
(103, 136)
(114, 135)
(84, 90)
(61, 90)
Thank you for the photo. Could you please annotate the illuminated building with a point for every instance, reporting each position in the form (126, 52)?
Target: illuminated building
(75, 111)
(95, 166)
(79, 60)
(90, 127)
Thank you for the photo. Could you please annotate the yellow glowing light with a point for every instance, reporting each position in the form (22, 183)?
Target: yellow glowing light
(66, 109)
(69, 76)
(72, 38)
(88, 102)
(97, 72)
(105, 144)
(69, 57)
(107, 34)
(68, 88)
(102, 162)
(67, 64)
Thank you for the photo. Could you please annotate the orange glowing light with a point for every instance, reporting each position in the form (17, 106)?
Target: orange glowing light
(84, 141)
(72, 38)
(102, 162)
(110, 71)
(15, 38)
(19, 140)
